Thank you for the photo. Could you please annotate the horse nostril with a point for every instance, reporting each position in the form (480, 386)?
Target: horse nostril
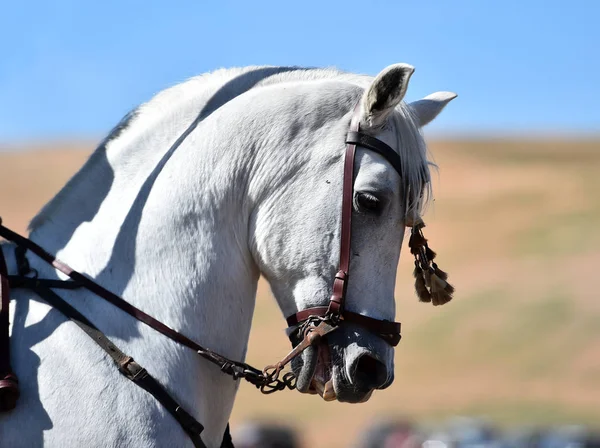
(370, 372)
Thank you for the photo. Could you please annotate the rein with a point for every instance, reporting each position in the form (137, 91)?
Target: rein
(312, 324)
(236, 369)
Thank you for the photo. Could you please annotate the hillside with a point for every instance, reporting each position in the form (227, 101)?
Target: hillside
(517, 226)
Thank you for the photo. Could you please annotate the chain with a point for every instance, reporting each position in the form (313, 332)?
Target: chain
(312, 322)
(270, 380)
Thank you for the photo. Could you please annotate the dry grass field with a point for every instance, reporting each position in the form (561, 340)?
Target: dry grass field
(516, 224)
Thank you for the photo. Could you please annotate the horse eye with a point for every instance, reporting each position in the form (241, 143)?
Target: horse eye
(367, 203)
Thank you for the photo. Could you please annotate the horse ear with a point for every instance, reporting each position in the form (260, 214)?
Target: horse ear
(384, 94)
(428, 108)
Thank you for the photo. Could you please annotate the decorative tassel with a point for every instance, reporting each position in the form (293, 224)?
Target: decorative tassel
(422, 292)
(416, 241)
(430, 280)
(437, 271)
(441, 291)
(427, 277)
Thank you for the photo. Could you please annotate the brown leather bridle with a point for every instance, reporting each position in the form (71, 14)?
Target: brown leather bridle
(316, 322)
(336, 313)
(312, 324)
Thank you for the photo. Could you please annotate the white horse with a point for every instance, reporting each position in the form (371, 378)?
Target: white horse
(190, 198)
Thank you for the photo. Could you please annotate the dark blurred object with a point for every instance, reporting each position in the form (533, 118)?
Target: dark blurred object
(573, 436)
(523, 438)
(592, 440)
(391, 435)
(458, 432)
(264, 435)
(551, 437)
(469, 432)
(465, 432)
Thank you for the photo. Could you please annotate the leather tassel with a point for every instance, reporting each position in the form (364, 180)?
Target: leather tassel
(429, 253)
(430, 280)
(441, 291)
(437, 271)
(421, 289)
(427, 277)
(417, 240)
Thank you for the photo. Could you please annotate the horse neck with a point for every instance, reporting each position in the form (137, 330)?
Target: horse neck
(160, 232)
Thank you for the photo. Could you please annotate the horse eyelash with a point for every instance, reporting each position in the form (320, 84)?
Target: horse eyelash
(370, 197)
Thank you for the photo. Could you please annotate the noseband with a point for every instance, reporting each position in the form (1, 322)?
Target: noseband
(312, 324)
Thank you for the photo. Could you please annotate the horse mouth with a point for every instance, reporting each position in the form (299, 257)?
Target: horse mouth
(322, 381)
(316, 375)
(315, 372)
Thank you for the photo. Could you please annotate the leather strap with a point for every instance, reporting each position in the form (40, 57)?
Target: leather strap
(374, 144)
(17, 281)
(127, 366)
(235, 369)
(385, 329)
(4, 316)
(340, 282)
(9, 384)
(100, 291)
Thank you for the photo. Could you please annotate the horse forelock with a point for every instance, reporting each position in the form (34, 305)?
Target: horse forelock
(416, 175)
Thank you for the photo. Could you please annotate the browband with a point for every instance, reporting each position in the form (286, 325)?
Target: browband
(374, 144)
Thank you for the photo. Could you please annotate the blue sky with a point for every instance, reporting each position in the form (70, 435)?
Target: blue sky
(72, 69)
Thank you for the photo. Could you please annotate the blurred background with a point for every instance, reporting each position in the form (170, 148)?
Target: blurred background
(515, 221)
